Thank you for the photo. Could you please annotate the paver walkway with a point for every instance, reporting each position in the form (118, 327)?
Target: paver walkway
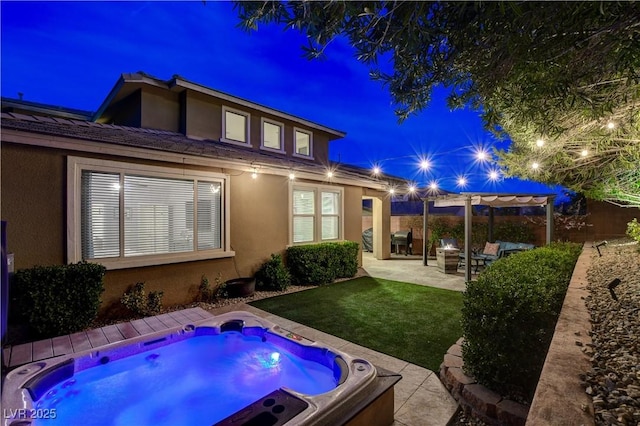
(25, 353)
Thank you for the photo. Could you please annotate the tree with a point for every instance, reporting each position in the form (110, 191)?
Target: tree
(565, 73)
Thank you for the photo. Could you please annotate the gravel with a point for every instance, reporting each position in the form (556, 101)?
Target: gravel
(614, 379)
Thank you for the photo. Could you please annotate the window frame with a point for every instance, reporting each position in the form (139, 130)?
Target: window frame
(75, 166)
(317, 216)
(264, 120)
(247, 126)
(295, 143)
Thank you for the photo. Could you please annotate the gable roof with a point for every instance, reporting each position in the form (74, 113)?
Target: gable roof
(129, 82)
(177, 143)
(21, 106)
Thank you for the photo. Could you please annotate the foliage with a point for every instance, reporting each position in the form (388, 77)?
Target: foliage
(273, 275)
(209, 293)
(439, 228)
(509, 316)
(556, 71)
(633, 229)
(137, 301)
(56, 300)
(322, 263)
(513, 232)
(407, 321)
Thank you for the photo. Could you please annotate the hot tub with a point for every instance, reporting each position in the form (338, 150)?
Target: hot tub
(235, 369)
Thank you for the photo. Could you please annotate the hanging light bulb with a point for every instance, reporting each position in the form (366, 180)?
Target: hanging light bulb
(462, 181)
(376, 170)
(433, 186)
(424, 164)
(494, 175)
(412, 188)
(329, 174)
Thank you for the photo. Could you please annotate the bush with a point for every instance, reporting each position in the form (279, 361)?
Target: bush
(56, 300)
(322, 263)
(633, 230)
(509, 316)
(138, 302)
(209, 293)
(273, 275)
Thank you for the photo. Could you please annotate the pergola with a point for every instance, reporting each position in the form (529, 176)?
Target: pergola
(469, 199)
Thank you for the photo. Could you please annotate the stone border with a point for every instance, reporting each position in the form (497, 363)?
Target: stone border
(560, 397)
(473, 397)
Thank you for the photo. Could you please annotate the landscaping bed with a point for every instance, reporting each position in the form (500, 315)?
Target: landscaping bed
(614, 379)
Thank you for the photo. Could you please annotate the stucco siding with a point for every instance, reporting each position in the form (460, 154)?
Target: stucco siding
(353, 217)
(33, 204)
(203, 117)
(160, 109)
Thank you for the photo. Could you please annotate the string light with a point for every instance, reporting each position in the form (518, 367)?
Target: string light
(412, 188)
(482, 155)
(254, 174)
(535, 165)
(494, 175)
(329, 174)
(292, 176)
(433, 186)
(462, 181)
(392, 191)
(424, 164)
(376, 170)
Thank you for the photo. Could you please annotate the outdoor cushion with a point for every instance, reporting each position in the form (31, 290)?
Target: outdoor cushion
(491, 249)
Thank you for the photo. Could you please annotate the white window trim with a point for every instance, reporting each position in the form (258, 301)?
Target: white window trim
(275, 123)
(317, 232)
(295, 148)
(75, 166)
(226, 109)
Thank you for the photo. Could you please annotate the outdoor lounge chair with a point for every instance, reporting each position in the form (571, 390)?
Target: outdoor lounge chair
(499, 249)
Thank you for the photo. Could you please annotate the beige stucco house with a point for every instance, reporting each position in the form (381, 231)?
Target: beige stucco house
(169, 181)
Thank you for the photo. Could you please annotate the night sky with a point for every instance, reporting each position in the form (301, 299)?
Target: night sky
(72, 53)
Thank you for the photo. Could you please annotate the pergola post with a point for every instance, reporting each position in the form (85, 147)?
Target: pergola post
(425, 223)
(490, 225)
(468, 215)
(550, 201)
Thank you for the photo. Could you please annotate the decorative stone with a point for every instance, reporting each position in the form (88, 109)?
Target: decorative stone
(511, 413)
(483, 399)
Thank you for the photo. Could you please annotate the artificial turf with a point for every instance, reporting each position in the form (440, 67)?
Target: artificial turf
(407, 321)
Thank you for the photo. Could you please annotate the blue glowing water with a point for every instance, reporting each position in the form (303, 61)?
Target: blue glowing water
(198, 381)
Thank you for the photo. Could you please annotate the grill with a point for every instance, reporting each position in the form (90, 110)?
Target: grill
(402, 239)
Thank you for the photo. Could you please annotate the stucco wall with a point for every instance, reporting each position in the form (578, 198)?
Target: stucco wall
(34, 182)
(160, 109)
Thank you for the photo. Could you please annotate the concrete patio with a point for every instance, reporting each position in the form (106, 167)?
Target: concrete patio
(409, 269)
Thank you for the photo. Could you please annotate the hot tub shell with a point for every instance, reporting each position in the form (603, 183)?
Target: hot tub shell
(355, 377)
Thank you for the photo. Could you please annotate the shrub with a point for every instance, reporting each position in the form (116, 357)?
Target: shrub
(273, 275)
(633, 230)
(209, 293)
(513, 232)
(138, 302)
(509, 315)
(56, 300)
(322, 263)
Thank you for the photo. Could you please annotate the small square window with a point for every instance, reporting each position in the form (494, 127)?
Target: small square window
(272, 135)
(303, 144)
(235, 126)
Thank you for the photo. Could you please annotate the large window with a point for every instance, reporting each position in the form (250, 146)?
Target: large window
(272, 132)
(303, 143)
(316, 213)
(235, 126)
(130, 215)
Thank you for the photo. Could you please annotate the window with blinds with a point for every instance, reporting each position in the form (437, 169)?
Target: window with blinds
(126, 215)
(317, 214)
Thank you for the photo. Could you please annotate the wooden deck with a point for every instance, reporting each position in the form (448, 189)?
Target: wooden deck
(25, 353)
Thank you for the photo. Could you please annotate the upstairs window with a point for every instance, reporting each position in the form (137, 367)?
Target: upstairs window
(235, 126)
(272, 133)
(303, 143)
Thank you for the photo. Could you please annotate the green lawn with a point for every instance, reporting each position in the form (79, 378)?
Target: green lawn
(407, 321)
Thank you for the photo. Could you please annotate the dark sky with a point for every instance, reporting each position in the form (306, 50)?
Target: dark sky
(71, 54)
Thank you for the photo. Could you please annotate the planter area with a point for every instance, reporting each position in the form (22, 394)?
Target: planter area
(241, 287)
(474, 398)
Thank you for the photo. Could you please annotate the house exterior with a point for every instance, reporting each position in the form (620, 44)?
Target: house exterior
(169, 181)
